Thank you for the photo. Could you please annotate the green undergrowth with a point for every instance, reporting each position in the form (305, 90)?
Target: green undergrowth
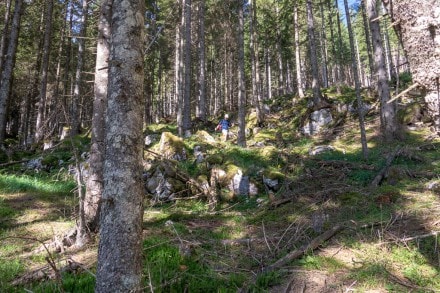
(36, 183)
(190, 247)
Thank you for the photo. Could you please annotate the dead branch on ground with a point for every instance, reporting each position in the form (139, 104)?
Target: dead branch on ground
(315, 243)
(379, 177)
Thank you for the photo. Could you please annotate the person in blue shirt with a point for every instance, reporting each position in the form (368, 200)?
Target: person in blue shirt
(224, 125)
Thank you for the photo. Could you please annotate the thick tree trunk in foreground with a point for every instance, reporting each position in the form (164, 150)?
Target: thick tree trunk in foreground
(6, 73)
(120, 247)
(417, 22)
(4, 33)
(388, 121)
(95, 180)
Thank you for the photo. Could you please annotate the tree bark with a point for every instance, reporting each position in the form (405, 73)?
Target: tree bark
(418, 25)
(9, 63)
(4, 33)
(340, 50)
(279, 51)
(40, 127)
(313, 57)
(253, 46)
(241, 139)
(187, 70)
(201, 109)
(324, 47)
(120, 247)
(94, 187)
(357, 84)
(299, 79)
(178, 70)
(367, 40)
(389, 127)
(77, 91)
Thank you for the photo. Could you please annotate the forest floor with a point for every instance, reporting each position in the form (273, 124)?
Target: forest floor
(327, 229)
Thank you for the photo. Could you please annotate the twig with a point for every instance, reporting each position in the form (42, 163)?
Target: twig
(407, 239)
(265, 238)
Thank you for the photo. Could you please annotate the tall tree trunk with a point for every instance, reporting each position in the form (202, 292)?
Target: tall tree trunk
(63, 115)
(313, 57)
(268, 66)
(201, 109)
(187, 70)
(179, 69)
(299, 79)
(324, 47)
(387, 46)
(77, 91)
(9, 63)
(55, 102)
(4, 33)
(40, 127)
(95, 180)
(357, 84)
(334, 70)
(27, 132)
(256, 86)
(279, 52)
(119, 266)
(340, 46)
(367, 41)
(241, 139)
(388, 121)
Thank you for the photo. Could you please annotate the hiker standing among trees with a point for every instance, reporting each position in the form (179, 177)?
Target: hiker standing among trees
(224, 125)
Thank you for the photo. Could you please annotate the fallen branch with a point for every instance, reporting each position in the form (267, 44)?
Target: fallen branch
(405, 282)
(315, 243)
(406, 239)
(404, 92)
(14, 162)
(379, 177)
(346, 164)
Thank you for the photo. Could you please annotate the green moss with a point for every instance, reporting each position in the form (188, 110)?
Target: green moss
(252, 120)
(50, 161)
(215, 159)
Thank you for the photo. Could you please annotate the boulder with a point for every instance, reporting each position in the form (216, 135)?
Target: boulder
(172, 147)
(320, 149)
(205, 137)
(198, 154)
(150, 139)
(318, 120)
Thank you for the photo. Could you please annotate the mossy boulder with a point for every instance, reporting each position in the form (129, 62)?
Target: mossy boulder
(269, 151)
(252, 120)
(204, 136)
(172, 147)
(265, 135)
(411, 114)
(215, 159)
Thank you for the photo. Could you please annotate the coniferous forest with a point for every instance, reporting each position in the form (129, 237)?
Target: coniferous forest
(219, 145)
